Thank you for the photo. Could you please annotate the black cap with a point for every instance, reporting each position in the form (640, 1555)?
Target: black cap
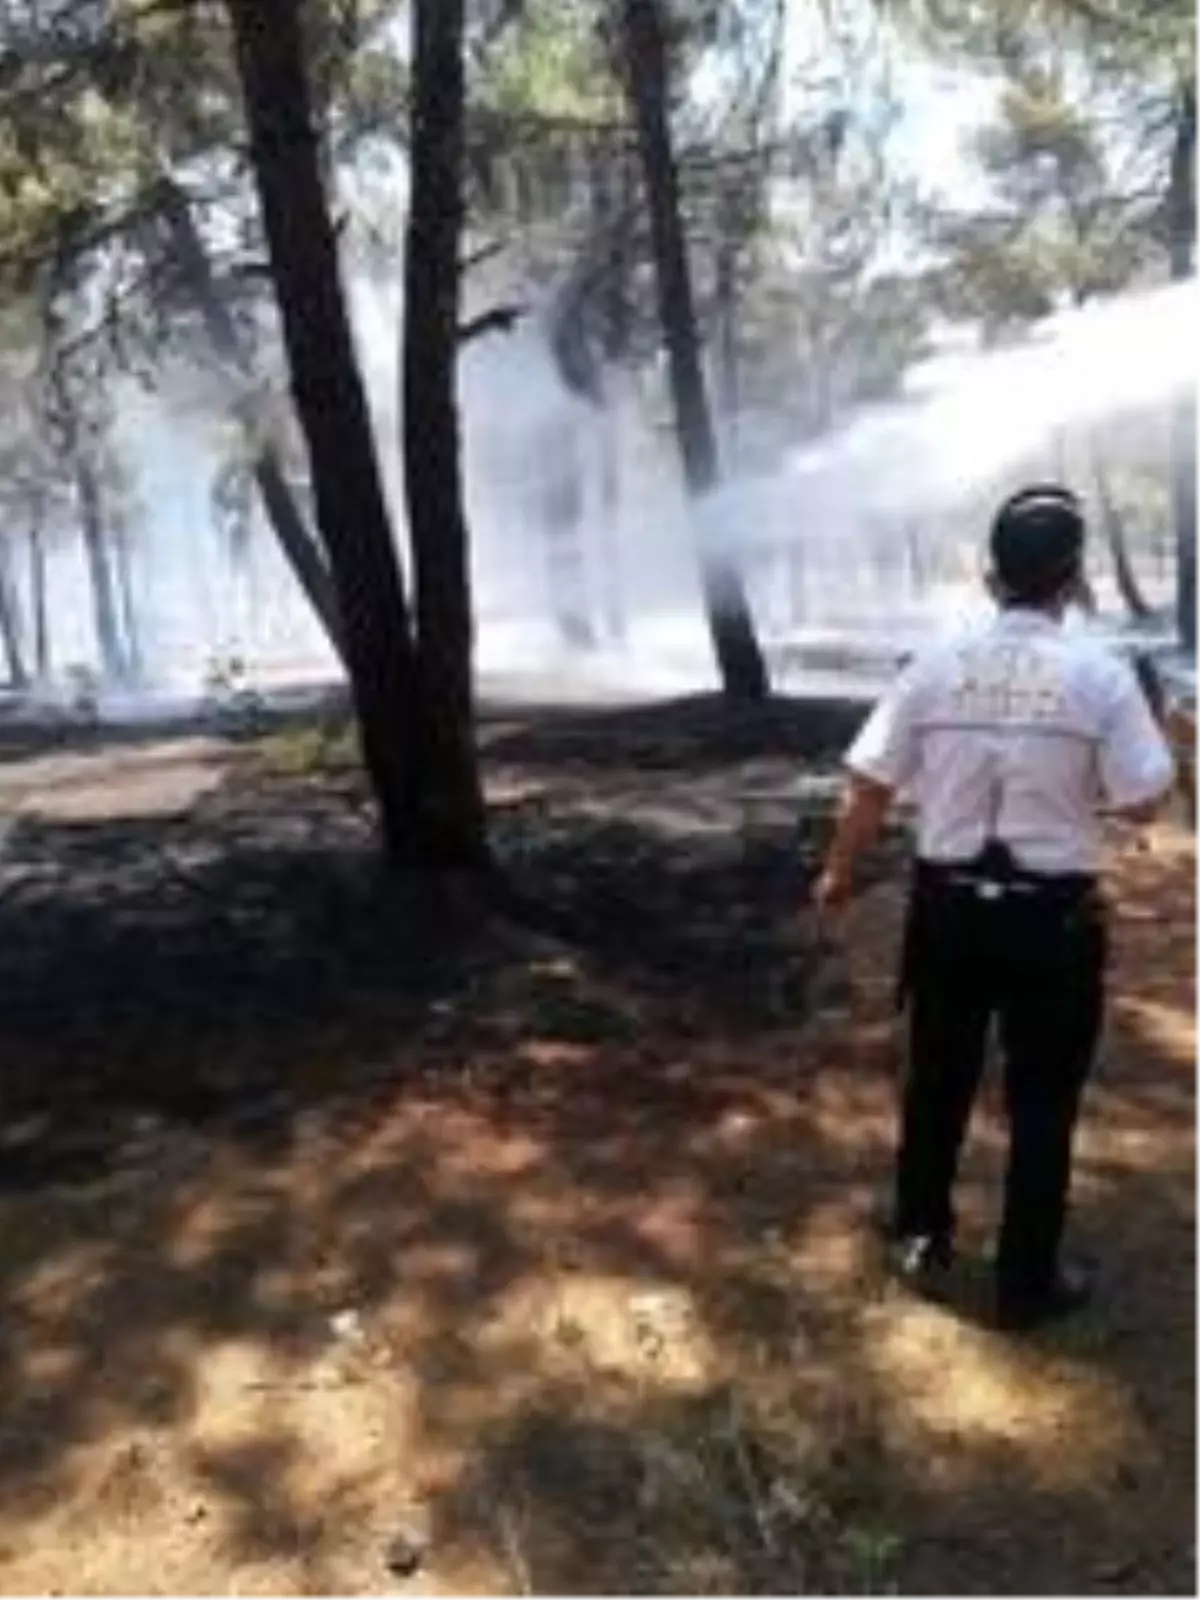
(1037, 544)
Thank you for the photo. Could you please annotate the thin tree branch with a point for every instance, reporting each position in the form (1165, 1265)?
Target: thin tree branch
(499, 319)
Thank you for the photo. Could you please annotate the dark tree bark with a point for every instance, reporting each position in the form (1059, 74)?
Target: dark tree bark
(1181, 190)
(10, 629)
(114, 660)
(308, 564)
(727, 350)
(1181, 226)
(300, 549)
(614, 199)
(1184, 507)
(37, 600)
(727, 310)
(332, 407)
(743, 671)
(454, 830)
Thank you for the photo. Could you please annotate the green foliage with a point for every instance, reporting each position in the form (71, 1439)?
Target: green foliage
(35, 482)
(1068, 218)
(549, 64)
(1122, 36)
(94, 116)
(827, 324)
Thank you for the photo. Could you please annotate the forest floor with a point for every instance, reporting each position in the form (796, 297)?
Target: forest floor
(339, 1254)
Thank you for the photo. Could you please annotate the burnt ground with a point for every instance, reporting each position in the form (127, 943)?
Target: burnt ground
(197, 892)
(545, 1243)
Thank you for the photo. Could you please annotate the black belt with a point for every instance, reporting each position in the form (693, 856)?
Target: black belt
(994, 874)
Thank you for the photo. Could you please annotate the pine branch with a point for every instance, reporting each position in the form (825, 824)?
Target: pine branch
(499, 319)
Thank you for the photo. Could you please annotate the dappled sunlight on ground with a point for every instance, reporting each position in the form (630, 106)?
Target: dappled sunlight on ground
(582, 1285)
(956, 1386)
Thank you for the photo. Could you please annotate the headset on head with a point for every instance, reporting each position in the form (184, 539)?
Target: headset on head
(1051, 495)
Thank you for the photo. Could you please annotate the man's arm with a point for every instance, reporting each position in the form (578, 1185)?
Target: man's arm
(881, 761)
(863, 811)
(1141, 814)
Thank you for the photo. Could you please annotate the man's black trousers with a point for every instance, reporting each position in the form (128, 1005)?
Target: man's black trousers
(1030, 956)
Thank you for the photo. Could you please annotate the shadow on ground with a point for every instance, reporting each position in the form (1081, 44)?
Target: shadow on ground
(176, 921)
(550, 1255)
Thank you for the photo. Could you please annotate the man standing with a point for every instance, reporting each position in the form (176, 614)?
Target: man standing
(1012, 742)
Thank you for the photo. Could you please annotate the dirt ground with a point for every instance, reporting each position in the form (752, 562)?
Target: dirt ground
(341, 1255)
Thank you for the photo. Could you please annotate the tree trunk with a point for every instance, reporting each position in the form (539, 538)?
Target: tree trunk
(300, 549)
(609, 552)
(1181, 225)
(10, 628)
(1183, 475)
(1181, 192)
(134, 663)
(1113, 528)
(612, 204)
(559, 468)
(727, 353)
(743, 671)
(114, 664)
(37, 601)
(454, 828)
(725, 295)
(332, 407)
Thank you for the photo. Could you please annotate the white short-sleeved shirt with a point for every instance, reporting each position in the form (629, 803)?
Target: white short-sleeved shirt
(1017, 731)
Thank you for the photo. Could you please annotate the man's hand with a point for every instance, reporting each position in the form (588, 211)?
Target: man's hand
(834, 888)
(860, 817)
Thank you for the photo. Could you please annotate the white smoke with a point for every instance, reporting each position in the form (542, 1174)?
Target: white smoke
(872, 531)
